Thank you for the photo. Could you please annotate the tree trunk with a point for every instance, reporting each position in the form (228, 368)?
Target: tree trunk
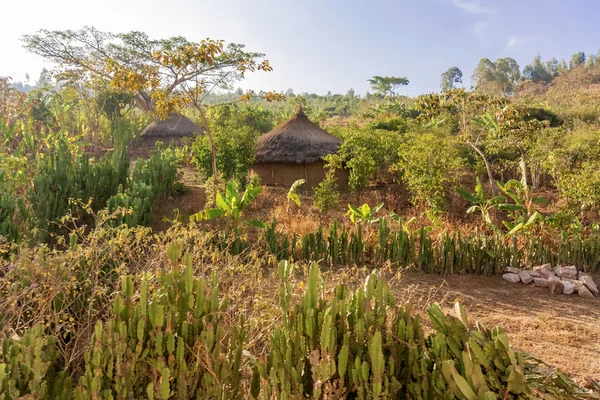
(536, 176)
(213, 149)
(523, 165)
(144, 101)
(488, 167)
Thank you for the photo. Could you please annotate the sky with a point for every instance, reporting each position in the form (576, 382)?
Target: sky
(318, 46)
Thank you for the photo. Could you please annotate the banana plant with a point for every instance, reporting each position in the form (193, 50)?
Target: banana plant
(479, 202)
(292, 195)
(522, 212)
(363, 213)
(232, 205)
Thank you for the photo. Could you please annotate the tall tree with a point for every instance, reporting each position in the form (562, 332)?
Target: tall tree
(562, 67)
(577, 59)
(387, 85)
(96, 56)
(499, 77)
(537, 71)
(450, 77)
(552, 67)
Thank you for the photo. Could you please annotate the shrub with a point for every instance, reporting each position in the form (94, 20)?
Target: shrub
(235, 151)
(159, 172)
(430, 166)
(13, 215)
(30, 366)
(367, 152)
(135, 203)
(326, 193)
(581, 187)
(361, 344)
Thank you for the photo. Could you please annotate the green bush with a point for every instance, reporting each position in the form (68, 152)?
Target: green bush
(135, 203)
(13, 215)
(235, 151)
(368, 152)
(581, 187)
(363, 345)
(326, 193)
(170, 334)
(30, 366)
(100, 179)
(430, 166)
(159, 172)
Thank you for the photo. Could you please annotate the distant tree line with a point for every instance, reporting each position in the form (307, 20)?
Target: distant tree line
(503, 76)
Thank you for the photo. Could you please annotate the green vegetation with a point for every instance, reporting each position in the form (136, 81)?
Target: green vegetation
(96, 302)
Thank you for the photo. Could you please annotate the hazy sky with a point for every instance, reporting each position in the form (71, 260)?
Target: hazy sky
(329, 45)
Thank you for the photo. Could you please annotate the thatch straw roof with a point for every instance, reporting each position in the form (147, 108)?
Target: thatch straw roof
(175, 126)
(296, 141)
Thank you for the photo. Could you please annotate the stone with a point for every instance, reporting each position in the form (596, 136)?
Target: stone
(575, 283)
(590, 284)
(568, 287)
(545, 267)
(525, 277)
(556, 268)
(512, 270)
(512, 278)
(569, 272)
(555, 286)
(534, 274)
(585, 293)
(540, 282)
(545, 273)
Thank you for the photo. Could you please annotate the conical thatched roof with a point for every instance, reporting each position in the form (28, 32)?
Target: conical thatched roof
(296, 141)
(175, 126)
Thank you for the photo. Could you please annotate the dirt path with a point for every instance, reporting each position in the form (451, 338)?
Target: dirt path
(563, 331)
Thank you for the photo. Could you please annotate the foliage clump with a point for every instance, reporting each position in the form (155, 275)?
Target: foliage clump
(430, 165)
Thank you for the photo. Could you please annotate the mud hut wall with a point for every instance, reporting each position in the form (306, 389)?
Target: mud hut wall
(276, 174)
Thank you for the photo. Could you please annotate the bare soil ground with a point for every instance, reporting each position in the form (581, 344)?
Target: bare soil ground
(563, 331)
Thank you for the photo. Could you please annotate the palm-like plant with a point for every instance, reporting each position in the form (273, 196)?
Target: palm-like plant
(292, 195)
(363, 213)
(522, 212)
(232, 205)
(480, 203)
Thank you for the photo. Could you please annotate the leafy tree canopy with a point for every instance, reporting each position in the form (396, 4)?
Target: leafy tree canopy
(577, 59)
(499, 77)
(450, 77)
(537, 71)
(387, 85)
(152, 70)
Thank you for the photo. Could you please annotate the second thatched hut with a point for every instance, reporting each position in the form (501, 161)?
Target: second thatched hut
(169, 131)
(293, 151)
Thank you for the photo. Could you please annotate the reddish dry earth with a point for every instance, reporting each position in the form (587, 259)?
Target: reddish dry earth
(563, 331)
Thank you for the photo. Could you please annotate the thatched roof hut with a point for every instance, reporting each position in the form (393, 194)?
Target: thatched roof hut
(168, 131)
(296, 141)
(293, 151)
(176, 126)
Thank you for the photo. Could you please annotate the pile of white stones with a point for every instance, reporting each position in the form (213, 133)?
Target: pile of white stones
(559, 280)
